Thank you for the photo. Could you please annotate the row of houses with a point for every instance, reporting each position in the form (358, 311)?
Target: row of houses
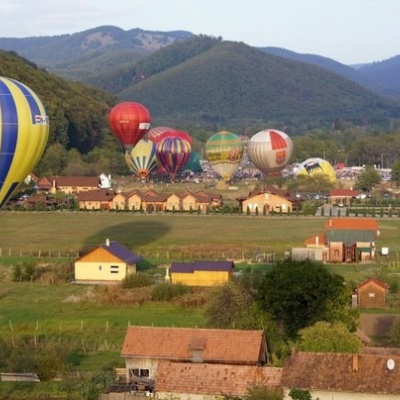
(199, 364)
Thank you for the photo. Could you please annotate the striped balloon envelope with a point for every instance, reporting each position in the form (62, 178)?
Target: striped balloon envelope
(173, 153)
(24, 130)
(224, 151)
(270, 150)
(142, 159)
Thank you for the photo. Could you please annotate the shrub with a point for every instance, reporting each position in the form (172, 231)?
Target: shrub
(137, 280)
(168, 291)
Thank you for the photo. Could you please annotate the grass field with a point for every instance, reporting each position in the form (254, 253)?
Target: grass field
(165, 235)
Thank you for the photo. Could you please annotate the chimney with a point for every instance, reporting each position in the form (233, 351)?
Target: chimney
(317, 240)
(108, 242)
(330, 222)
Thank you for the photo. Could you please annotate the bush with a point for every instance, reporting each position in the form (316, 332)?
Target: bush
(137, 280)
(168, 291)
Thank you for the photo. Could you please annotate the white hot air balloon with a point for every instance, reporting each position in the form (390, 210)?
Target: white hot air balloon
(270, 150)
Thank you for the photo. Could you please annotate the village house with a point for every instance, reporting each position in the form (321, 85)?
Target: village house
(109, 263)
(351, 239)
(166, 360)
(99, 200)
(372, 293)
(71, 184)
(147, 201)
(345, 240)
(265, 202)
(201, 273)
(339, 376)
(342, 197)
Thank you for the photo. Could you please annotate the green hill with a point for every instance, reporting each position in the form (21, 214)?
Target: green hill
(77, 112)
(234, 85)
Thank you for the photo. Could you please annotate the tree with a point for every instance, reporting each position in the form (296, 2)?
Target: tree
(329, 337)
(367, 179)
(395, 177)
(300, 293)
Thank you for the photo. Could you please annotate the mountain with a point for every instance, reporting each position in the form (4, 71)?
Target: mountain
(233, 84)
(78, 55)
(384, 75)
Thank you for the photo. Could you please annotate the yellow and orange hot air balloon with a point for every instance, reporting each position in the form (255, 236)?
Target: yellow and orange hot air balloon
(24, 130)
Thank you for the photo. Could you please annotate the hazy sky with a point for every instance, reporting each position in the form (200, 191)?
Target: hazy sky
(349, 31)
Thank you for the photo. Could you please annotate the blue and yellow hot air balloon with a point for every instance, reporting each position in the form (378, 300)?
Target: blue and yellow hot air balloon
(142, 159)
(24, 130)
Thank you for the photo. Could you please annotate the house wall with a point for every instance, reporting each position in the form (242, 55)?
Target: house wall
(141, 363)
(270, 201)
(201, 278)
(173, 202)
(187, 396)
(98, 271)
(367, 255)
(189, 202)
(118, 202)
(331, 395)
(371, 296)
(335, 252)
(134, 202)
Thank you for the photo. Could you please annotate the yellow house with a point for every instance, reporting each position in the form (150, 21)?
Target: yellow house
(109, 263)
(96, 199)
(201, 273)
(265, 202)
(173, 203)
(149, 200)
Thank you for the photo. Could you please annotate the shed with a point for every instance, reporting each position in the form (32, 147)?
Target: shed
(202, 273)
(372, 293)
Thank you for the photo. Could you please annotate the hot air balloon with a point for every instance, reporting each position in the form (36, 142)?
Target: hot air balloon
(142, 159)
(24, 131)
(129, 121)
(270, 150)
(173, 153)
(168, 132)
(154, 134)
(224, 150)
(316, 166)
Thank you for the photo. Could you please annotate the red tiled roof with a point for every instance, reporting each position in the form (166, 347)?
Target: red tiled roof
(357, 373)
(368, 224)
(344, 193)
(220, 345)
(214, 379)
(74, 181)
(96, 195)
(379, 283)
(315, 240)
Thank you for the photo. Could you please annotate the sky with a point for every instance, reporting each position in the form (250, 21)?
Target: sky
(348, 31)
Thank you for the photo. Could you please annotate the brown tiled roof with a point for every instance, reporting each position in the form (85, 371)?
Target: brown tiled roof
(358, 373)
(149, 195)
(214, 379)
(74, 181)
(351, 223)
(379, 283)
(96, 195)
(343, 193)
(221, 345)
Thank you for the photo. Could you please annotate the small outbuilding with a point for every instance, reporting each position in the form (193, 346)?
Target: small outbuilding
(109, 263)
(201, 273)
(372, 293)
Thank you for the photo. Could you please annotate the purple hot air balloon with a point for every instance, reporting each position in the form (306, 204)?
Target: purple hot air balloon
(173, 153)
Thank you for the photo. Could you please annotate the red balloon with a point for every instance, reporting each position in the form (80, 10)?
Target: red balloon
(129, 121)
(154, 134)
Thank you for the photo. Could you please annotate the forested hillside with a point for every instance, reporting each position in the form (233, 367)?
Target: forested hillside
(238, 86)
(77, 112)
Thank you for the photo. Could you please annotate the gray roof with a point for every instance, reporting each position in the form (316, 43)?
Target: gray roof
(350, 237)
(121, 252)
(203, 266)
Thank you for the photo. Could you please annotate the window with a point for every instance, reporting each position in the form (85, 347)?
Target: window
(99, 267)
(371, 294)
(114, 269)
(141, 373)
